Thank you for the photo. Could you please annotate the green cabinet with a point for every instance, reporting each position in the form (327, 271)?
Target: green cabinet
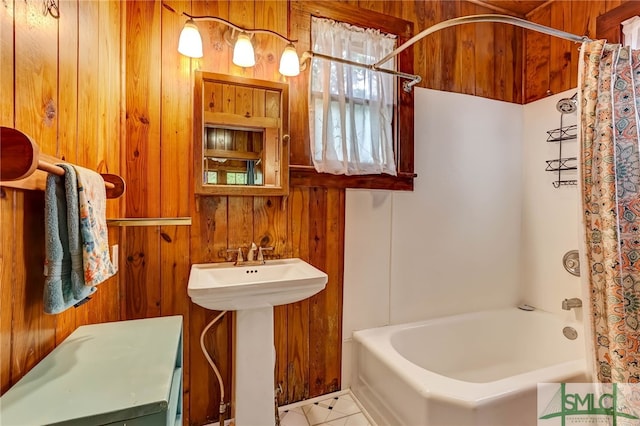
(119, 373)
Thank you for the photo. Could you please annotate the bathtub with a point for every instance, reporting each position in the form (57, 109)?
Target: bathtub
(479, 368)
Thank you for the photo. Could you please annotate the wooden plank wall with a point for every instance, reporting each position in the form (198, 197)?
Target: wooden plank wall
(121, 101)
(64, 80)
(480, 59)
(310, 222)
(159, 106)
(551, 64)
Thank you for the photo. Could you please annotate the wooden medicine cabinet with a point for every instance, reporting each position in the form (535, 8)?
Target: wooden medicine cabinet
(241, 142)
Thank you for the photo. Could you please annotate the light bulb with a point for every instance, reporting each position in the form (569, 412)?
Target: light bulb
(289, 62)
(243, 55)
(190, 42)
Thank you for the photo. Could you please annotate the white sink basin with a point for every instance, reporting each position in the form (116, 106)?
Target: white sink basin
(223, 286)
(253, 291)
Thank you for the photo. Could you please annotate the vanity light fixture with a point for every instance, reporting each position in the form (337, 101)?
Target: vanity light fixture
(243, 55)
(190, 41)
(289, 61)
(190, 44)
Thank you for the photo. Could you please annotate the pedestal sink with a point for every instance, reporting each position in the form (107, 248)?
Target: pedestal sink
(253, 291)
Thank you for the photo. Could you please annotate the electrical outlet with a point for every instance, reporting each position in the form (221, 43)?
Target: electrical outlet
(114, 256)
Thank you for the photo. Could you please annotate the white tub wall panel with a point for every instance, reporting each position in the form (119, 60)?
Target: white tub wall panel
(367, 259)
(456, 238)
(347, 364)
(388, 398)
(511, 409)
(550, 216)
(366, 268)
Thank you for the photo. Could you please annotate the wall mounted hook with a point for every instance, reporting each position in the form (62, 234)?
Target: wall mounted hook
(50, 7)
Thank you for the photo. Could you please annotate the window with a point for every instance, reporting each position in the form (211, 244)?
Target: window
(351, 109)
(211, 178)
(302, 170)
(631, 32)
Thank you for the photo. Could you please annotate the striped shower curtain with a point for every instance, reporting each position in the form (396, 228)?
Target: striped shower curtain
(609, 101)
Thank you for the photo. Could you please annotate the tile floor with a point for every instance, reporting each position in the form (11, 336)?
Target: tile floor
(336, 409)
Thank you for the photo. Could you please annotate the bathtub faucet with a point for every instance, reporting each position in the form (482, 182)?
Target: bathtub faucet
(574, 302)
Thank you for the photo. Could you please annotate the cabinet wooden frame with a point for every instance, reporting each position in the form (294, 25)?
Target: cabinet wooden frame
(273, 123)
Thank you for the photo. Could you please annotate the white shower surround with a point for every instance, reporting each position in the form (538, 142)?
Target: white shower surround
(550, 225)
(455, 239)
(467, 238)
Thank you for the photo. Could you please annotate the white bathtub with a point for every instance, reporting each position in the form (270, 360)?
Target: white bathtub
(479, 368)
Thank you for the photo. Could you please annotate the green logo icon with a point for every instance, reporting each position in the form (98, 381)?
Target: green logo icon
(582, 402)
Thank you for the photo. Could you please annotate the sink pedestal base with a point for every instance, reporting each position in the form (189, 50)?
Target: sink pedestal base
(254, 368)
(253, 291)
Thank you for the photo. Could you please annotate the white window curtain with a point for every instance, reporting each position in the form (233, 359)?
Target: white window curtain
(351, 108)
(631, 32)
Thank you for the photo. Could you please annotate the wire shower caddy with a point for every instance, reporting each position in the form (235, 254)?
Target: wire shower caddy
(560, 135)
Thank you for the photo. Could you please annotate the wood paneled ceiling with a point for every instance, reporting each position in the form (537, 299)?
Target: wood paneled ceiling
(514, 7)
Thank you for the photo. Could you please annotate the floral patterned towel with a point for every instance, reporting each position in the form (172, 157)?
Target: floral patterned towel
(93, 227)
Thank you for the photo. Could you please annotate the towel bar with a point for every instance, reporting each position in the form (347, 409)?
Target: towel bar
(21, 161)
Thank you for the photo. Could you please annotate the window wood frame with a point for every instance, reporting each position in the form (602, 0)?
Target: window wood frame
(609, 24)
(302, 172)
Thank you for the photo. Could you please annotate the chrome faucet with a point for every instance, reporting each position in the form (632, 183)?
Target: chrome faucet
(252, 258)
(239, 257)
(260, 253)
(574, 302)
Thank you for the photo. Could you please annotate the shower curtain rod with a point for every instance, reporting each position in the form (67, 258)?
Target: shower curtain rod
(415, 79)
(407, 85)
(505, 19)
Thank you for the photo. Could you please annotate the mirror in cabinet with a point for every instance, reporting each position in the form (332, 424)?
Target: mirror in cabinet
(241, 142)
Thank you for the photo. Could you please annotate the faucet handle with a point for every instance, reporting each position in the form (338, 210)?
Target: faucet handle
(240, 257)
(260, 250)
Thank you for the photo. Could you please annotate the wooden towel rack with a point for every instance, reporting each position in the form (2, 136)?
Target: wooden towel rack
(23, 166)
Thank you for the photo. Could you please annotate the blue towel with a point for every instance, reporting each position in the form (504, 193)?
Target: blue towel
(64, 284)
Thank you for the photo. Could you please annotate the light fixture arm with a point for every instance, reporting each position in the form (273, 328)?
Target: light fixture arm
(237, 27)
(190, 43)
